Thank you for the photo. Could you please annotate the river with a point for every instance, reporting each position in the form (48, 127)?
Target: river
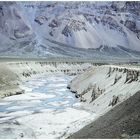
(46, 110)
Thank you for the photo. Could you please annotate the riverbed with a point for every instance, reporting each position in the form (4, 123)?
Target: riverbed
(47, 110)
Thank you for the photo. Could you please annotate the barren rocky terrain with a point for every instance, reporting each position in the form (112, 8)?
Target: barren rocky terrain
(65, 66)
(93, 30)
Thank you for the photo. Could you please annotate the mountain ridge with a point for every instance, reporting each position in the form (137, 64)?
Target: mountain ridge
(82, 26)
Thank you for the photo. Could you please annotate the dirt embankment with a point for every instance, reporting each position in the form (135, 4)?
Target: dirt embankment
(123, 121)
(101, 87)
(9, 82)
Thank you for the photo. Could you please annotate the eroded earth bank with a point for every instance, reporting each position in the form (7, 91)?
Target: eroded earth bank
(112, 93)
(56, 99)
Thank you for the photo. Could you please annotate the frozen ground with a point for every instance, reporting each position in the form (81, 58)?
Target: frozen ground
(13, 73)
(46, 110)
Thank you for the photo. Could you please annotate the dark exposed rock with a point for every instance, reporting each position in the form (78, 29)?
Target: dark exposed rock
(26, 74)
(117, 78)
(21, 135)
(67, 31)
(68, 86)
(20, 92)
(112, 24)
(40, 19)
(114, 100)
(82, 99)
(74, 25)
(76, 95)
(121, 21)
(73, 91)
(131, 25)
(131, 75)
(51, 33)
(54, 23)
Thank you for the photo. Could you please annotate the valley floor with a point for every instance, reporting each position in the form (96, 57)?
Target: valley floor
(56, 99)
(47, 109)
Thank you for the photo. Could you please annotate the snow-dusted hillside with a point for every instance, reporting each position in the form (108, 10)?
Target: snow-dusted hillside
(101, 88)
(68, 28)
(87, 24)
(16, 34)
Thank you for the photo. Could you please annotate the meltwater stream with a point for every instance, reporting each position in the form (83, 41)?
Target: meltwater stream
(41, 93)
(47, 110)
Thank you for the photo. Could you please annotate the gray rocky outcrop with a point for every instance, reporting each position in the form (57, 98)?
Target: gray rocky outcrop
(40, 19)
(131, 74)
(114, 100)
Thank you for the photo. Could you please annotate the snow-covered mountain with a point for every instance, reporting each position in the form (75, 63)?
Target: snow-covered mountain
(80, 29)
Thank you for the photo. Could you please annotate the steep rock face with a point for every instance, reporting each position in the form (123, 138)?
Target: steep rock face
(15, 33)
(88, 24)
(107, 29)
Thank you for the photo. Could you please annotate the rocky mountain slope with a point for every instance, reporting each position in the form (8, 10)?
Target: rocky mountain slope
(71, 29)
(16, 35)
